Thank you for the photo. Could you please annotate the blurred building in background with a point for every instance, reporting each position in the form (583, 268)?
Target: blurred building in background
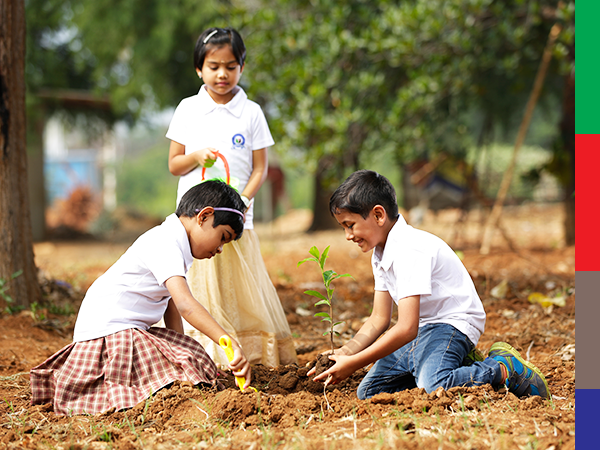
(79, 175)
(71, 166)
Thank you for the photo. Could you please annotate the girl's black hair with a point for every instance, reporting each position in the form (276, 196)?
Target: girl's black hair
(218, 37)
(214, 193)
(361, 192)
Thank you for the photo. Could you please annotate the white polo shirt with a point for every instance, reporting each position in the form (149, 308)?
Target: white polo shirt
(132, 292)
(415, 262)
(236, 129)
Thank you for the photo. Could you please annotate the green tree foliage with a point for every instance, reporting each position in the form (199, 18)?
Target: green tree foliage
(143, 50)
(55, 61)
(343, 83)
(55, 56)
(137, 53)
(352, 81)
(365, 76)
(341, 78)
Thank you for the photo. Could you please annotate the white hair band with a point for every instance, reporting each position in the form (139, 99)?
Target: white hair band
(210, 35)
(222, 208)
(229, 210)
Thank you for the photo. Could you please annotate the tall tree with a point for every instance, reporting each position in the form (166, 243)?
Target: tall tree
(17, 267)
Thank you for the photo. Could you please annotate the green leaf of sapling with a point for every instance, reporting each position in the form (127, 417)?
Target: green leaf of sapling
(307, 260)
(315, 294)
(323, 302)
(340, 276)
(324, 257)
(324, 318)
(315, 252)
(328, 276)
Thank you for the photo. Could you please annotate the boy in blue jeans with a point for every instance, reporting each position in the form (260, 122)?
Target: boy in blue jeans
(440, 315)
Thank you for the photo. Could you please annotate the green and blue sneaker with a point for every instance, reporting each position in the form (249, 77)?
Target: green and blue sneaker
(523, 378)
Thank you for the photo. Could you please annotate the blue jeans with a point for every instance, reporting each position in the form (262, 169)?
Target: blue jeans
(433, 359)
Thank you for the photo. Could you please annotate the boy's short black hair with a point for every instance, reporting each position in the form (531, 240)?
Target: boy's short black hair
(361, 192)
(214, 193)
(218, 37)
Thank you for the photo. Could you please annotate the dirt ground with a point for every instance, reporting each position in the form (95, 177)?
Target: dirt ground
(290, 411)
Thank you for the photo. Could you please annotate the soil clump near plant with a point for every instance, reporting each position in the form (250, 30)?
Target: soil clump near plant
(323, 363)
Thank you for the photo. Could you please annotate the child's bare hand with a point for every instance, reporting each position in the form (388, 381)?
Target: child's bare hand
(341, 370)
(206, 157)
(337, 351)
(239, 365)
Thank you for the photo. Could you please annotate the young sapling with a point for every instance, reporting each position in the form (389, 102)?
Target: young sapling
(328, 277)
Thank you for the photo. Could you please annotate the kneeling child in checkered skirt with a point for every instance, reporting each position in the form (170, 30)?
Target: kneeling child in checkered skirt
(117, 358)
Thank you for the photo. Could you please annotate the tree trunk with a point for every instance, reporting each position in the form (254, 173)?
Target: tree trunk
(17, 266)
(322, 219)
(567, 131)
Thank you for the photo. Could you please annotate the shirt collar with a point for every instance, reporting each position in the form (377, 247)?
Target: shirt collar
(384, 258)
(182, 239)
(235, 106)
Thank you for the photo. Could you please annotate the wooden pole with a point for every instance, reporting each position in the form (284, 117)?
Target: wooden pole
(494, 216)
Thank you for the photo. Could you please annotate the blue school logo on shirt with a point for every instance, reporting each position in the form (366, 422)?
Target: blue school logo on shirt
(238, 141)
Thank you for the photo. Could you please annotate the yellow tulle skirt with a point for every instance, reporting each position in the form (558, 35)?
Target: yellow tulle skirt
(235, 288)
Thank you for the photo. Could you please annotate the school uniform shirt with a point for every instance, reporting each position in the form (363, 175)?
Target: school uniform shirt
(236, 129)
(415, 262)
(132, 292)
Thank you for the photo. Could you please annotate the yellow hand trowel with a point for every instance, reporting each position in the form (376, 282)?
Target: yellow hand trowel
(225, 343)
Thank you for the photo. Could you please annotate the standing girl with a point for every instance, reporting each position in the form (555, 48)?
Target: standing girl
(234, 287)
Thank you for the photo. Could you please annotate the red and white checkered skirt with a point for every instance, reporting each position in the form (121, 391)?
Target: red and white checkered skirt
(119, 370)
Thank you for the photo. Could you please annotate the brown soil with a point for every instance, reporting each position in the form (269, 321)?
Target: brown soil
(323, 363)
(290, 410)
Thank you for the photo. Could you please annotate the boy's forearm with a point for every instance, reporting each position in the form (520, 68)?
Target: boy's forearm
(395, 338)
(404, 331)
(192, 311)
(367, 334)
(377, 323)
(201, 319)
(204, 322)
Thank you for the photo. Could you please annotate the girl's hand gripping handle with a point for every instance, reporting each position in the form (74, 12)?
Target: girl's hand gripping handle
(227, 172)
(225, 343)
